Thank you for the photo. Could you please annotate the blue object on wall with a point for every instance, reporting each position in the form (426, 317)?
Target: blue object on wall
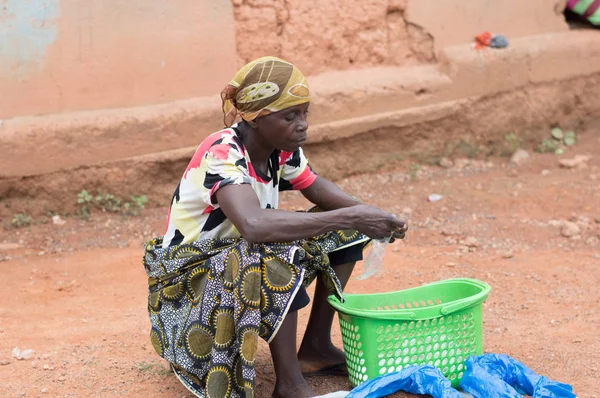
(27, 28)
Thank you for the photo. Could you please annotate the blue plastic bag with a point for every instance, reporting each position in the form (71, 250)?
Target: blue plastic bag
(493, 375)
(423, 379)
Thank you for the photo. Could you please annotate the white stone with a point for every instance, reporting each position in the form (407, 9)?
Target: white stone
(56, 220)
(446, 163)
(471, 242)
(577, 161)
(520, 156)
(570, 229)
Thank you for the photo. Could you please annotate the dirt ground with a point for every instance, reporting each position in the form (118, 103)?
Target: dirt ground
(76, 293)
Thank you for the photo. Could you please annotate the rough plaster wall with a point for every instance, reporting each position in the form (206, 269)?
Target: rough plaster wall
(329, 35)
(339, 34)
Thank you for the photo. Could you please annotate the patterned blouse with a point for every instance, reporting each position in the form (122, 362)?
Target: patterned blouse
(220, 160)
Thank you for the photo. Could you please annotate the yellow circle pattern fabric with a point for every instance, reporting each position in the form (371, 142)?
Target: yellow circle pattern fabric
(209, 302)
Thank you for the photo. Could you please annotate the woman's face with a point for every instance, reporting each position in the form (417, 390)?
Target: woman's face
(285, 130)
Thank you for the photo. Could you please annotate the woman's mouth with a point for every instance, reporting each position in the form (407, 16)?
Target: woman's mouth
(300, 141)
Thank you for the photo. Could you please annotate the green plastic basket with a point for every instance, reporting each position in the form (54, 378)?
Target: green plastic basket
(437, 324)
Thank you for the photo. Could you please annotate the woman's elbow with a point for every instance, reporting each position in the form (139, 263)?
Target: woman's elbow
(252, 230)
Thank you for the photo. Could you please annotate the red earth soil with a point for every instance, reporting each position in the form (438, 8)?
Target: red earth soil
(76, 293)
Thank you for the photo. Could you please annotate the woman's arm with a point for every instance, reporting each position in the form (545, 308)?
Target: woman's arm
(241, 206)
(328, 196)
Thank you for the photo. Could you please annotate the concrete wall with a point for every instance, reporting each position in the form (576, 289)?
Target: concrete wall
(116, 94)
(65, 55)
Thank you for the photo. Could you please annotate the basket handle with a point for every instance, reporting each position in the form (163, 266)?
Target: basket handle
(399, 315)
(467, 302)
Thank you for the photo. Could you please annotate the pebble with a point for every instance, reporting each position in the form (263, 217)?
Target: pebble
(546, 172)
(507, 254)
(407, 210)
(61, 378)
(592, 241)
(570, 229)
(471, 242)
(25, 354)
(4, 362)
(57, 220)
(577, 161)
(446, 163)
(462, 163)
(583, 222)
(450, 231)
(519, 157)
(44, 390)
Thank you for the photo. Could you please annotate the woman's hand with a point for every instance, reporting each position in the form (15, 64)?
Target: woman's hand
(399, 233)
(378, 224)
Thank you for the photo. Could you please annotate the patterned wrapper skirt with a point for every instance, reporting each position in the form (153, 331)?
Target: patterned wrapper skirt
(209, 301)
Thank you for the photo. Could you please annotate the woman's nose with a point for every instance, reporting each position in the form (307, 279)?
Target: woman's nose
(303, 123)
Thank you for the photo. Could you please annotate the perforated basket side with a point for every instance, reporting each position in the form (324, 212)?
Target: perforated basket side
(376, 347)
(353, 348)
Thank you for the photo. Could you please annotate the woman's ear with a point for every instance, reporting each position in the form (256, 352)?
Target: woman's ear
(253, 123)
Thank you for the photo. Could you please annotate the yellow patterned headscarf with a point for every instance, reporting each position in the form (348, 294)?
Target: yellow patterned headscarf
(263, 86)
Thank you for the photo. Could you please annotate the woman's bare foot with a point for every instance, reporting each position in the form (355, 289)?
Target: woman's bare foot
(297, 388)
(314, 358)
(317, 355)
